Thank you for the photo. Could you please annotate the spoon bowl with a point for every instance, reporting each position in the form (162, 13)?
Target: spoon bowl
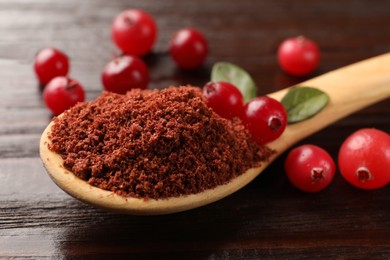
(350, 89)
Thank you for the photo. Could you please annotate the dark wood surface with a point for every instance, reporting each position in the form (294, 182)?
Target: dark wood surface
(268, 219)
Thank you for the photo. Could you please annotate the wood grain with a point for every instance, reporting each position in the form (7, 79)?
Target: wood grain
(268, 219)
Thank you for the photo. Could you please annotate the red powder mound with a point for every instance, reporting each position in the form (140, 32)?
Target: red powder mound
(153, 143)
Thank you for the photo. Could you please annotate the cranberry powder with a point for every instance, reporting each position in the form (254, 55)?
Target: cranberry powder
(153, 143)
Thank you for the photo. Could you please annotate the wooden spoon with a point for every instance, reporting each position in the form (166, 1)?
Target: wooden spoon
(350, 89)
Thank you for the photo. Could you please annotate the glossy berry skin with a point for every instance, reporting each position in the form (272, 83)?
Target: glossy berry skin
(50, 63)
(125, 73)
(62, 93)
(265, 118)
(134, 31)
(298, 56)
(188, 48)
(224, 98)
(310, 168)
(364, 158)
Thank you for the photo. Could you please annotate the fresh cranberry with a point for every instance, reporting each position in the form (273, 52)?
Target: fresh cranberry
(224, 98)
(50, 63)
(188, 48)
(298, 56)
(265, 118)
(134, 31)
(61, 93)
(310, 168)
(364, 158)
(125, 73)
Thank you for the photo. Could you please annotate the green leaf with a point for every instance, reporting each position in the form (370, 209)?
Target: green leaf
(303, 102)
(225, 71)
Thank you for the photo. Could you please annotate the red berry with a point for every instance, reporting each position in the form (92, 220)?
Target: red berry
(224, 98)
(125, 73)
(265, 118)
(188, 48)
(298, 56)
(61, 93)
(134, 32)
(310, 168)
(50, 63)
(364, 158)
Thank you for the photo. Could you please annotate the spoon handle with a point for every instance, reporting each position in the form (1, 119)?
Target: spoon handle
(350, 89)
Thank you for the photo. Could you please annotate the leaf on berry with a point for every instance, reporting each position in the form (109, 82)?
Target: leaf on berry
(228, 72)
(303, 102)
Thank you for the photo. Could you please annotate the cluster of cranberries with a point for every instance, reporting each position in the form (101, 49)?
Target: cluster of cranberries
(134, 32)
(265, 118)
(363, 160)
(60, 92)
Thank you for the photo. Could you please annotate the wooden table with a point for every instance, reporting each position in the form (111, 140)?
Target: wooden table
(268, 219)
